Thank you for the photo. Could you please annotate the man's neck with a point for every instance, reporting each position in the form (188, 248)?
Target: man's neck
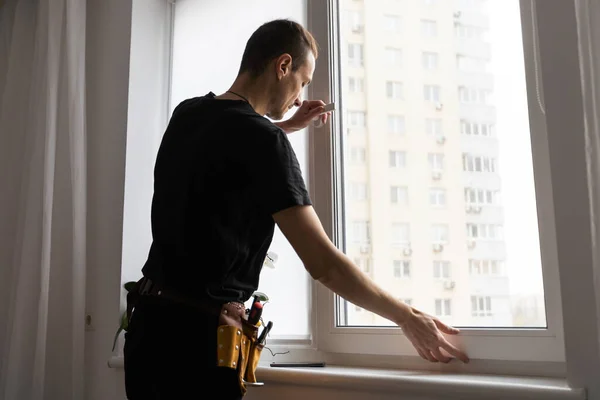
(255, 91)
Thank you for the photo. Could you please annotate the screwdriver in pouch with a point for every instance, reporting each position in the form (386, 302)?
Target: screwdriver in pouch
(255, 312)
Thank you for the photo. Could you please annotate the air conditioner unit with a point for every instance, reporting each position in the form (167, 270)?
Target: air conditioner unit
(457, 14)
(439, 106)
(407, 251)
(471, 244)
(441, 139)
(438, 247)
(449, 285)
(477, 210)
(436, 175)
(469, 209)
(357, 29)
(365, 249)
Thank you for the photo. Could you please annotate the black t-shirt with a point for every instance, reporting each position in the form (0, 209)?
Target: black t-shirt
(221, 171)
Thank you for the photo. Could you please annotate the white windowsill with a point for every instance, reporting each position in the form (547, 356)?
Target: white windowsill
(441, 385)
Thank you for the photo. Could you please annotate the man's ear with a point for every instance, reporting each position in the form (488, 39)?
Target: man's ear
(283, 65)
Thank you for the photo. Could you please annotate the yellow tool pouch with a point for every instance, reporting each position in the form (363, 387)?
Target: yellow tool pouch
(237, 346)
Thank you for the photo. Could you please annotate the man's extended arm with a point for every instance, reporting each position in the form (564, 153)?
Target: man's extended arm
(327, 264)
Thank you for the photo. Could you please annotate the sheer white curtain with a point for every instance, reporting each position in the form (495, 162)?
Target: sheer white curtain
(42, 199)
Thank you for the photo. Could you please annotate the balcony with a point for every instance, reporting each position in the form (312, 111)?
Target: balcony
(484, 213)
(489, 285)
(486, 249)
(477, 112)
(482, 80)
(473, 48)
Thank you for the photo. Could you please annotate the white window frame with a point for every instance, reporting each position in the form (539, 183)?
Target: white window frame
(542, 349)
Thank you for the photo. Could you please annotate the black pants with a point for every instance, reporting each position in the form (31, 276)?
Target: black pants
(170, 353)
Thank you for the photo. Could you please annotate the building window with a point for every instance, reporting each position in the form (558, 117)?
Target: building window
(356, 85)
(436, 161)
(354, 21)
(357, 119)
(429, 60)
(401, 269)
(480, 197)
(394, 90)
(364, 263)
(399, 195)
(475, 163)
(359, 191)
(470, 95)
(428, 28)
(396, 124)
(443, 307)
(470, 32)
(400, 233)
(355, 54)
(441, 269)
(484, 231)
(431, 93)
(358, 155)
(437, 197)
(476, 128)
(361, 232)
(392, 23)
(481, 306)
(397, 159)
(484, 267)
(433, 127)
(393, 56)
(440, 233)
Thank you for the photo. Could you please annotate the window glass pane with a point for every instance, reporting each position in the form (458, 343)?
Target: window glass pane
(470, 77)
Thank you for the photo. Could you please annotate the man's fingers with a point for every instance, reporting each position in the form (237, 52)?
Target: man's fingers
(445, 328)
(439, 356)
(422, 354)
(454, 351)
(314, 103)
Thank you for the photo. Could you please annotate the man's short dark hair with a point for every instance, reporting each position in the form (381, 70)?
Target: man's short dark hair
(273, 39)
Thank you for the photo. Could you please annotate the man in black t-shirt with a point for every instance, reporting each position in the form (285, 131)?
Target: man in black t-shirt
(224, 176)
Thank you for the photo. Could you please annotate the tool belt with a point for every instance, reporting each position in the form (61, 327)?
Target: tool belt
(237, 339)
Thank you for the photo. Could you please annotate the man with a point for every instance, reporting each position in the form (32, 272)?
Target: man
(224, 176)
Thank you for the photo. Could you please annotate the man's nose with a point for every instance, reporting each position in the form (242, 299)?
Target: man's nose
(298, 101)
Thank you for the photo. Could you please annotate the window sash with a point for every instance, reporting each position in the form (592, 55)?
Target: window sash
(506, 344)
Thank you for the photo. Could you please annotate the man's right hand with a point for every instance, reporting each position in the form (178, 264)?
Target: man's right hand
(426, 335)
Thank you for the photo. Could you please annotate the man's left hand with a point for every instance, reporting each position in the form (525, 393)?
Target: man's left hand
(307, 112)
